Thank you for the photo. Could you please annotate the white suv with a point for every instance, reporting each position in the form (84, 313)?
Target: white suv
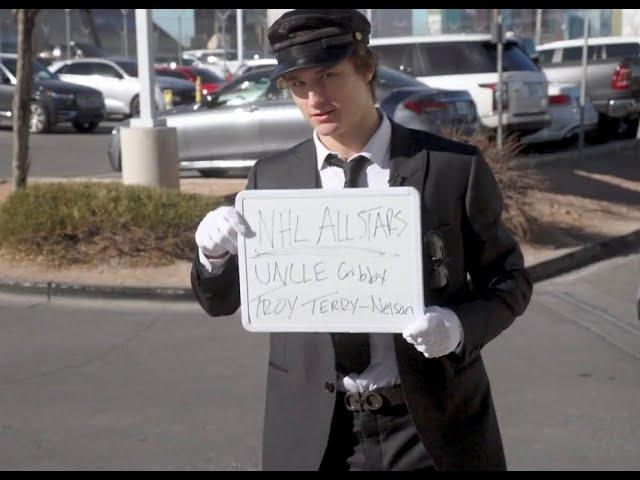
(469, 62)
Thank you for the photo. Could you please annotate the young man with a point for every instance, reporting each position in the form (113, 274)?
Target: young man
(416, 401)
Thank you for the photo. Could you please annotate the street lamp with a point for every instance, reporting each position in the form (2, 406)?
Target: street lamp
(125, 31)
(67, 23)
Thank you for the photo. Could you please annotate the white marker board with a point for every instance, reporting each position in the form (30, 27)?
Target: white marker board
(345, 260)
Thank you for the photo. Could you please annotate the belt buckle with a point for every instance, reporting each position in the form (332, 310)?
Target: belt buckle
(353, 401)
(358, 402)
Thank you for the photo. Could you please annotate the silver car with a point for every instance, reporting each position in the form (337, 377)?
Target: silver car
(251, 117)
(564, 107)
(118, 81)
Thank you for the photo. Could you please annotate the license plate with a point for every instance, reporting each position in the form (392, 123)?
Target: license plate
(535, 89)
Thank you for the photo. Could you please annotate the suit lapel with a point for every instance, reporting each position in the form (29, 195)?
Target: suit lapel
(304, 167)
(409, 160)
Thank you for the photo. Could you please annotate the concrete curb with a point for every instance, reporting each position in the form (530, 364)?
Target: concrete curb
(595, 252)
(540, 271)
(51, 289)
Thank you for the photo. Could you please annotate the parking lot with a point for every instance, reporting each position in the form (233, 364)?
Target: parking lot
(66, 153)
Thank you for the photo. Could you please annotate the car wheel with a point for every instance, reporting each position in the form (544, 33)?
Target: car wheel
(39, 119)
(629, 128)
(135, 107)
(85, 127)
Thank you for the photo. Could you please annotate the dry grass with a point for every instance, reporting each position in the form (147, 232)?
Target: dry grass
(82, 223)
(516, 184)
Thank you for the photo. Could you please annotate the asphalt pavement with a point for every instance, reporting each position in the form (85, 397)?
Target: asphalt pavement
(105, 384)
(63, 152)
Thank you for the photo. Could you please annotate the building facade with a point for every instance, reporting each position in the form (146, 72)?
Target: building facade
(181, 29)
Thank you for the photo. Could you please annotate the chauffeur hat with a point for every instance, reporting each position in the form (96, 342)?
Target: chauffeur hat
(305, 38)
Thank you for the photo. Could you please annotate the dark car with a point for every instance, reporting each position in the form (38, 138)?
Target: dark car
(53, 101)
(251, 117)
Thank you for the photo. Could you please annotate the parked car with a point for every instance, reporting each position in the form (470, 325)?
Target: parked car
(220, 61)
(253, 64)
(251, 117)
(468, 62)
(117, 79)
(613, 77)
(564, 107)
(52, 100)
(55, 53)
(209, 81)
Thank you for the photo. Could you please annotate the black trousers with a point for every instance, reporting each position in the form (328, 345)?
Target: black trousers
(383, 440)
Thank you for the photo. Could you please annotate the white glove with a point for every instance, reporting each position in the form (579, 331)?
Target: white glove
(437, 333)
(217, 234)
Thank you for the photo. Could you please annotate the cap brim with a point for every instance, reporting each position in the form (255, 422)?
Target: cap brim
(324, 59)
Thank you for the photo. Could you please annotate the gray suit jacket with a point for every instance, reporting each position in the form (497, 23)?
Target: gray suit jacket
(449, 397)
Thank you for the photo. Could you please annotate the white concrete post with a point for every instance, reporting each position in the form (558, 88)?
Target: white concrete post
(148, 149)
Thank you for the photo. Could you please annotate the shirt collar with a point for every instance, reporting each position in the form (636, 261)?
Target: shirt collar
(377, 148)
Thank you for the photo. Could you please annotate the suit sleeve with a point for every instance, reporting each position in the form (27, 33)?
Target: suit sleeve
(500, 285)
(219, 294)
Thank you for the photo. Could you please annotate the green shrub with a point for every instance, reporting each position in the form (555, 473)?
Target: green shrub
(67, 223)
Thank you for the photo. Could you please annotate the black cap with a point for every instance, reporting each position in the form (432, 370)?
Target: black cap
(305, 38)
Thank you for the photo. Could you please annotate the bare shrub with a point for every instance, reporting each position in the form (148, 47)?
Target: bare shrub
(516, 182)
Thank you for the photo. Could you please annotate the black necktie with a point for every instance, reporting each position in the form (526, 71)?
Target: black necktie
(352, 168)
(352, 349)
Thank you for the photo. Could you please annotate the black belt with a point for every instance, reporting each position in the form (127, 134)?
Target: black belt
(373, 400)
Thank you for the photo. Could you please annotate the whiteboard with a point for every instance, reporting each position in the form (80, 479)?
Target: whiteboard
(345, 260)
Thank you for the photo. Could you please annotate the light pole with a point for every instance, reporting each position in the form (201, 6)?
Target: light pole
(500, 93)
(583, 82)
(239, 35)
(180, 39)
(538, 25)
(222, 17)
(67, 24)
(125, 33)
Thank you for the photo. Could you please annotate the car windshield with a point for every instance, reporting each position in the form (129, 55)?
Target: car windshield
(131, 68)
(390, 78)
(245, 89)
(39, 72)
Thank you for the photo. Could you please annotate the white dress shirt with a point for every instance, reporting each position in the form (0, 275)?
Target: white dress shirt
(383, 369)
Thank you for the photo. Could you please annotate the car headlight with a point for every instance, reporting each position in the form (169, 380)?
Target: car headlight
(60, 96)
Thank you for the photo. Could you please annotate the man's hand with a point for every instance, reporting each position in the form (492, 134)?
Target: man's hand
(437, 333)
(217, 234)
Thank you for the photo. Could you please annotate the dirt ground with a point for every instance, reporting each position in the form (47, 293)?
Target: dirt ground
(589, 202)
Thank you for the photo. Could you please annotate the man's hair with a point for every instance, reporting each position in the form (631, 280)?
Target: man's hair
(363, 60)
